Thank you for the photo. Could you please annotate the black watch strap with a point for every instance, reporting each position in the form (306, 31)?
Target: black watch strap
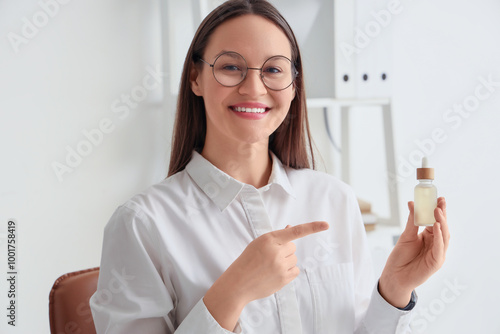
(412, 303)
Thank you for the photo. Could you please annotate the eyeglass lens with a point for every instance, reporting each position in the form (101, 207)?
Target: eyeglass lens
(230, 69)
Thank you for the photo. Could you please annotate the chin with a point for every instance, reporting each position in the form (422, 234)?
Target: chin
(252, 138)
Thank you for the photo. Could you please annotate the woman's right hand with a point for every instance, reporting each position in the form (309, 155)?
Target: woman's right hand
(266, 265)
(269, 263)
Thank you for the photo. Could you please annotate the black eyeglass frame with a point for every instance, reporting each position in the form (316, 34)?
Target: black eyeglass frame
(295, 73)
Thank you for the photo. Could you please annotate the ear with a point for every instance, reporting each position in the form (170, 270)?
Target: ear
(193, 80)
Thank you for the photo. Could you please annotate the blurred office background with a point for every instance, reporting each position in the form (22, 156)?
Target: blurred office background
(87, 98)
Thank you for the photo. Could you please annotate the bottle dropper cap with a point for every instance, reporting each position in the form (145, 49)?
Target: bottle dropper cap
(425, 173)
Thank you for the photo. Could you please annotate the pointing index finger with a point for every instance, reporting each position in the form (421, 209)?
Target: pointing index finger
(299, 231)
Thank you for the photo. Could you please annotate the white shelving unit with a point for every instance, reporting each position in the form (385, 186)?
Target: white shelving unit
(345, 106)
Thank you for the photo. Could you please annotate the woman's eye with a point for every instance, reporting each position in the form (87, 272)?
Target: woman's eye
(272, 70)
(231, 68)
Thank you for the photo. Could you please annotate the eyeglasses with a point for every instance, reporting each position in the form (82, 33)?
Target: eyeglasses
(230, 69)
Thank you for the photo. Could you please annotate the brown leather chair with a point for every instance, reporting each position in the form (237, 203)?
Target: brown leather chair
(69, 310)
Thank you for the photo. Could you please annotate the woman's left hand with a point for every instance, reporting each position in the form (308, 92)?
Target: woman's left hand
(415, 257)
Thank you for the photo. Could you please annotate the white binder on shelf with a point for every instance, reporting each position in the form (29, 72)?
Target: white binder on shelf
(373, 39)
(364, 35)
(383, 50)
(344, 51)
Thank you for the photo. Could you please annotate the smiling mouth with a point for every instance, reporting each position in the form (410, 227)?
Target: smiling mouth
(250, 110)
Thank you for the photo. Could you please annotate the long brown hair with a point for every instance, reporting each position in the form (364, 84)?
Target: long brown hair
(291, 142)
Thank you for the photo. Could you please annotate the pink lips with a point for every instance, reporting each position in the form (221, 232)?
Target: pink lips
(250, 105)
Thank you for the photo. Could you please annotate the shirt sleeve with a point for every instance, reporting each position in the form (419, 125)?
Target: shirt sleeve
(382, 317)
(373, 313)
(133, 296)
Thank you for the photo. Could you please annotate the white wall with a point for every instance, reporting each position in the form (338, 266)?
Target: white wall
(66, 78)
(441, 50)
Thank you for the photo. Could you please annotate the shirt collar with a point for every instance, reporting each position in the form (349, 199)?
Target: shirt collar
(221, 188)
(279, 176)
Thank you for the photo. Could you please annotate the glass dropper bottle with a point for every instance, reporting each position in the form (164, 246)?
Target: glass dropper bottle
(425, 196)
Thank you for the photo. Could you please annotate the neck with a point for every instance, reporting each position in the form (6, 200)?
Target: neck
(249, 163)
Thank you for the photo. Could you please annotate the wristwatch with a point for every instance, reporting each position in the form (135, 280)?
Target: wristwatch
(412, 303)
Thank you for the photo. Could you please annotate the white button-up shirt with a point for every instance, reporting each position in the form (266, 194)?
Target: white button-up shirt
(164, 248)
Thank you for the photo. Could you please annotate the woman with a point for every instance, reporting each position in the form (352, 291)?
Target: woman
(242, 236)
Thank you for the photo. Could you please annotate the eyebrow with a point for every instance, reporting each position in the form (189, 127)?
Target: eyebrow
(227, 51)
(223, 51)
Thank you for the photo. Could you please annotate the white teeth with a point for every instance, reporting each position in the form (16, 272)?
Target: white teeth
(252, 110)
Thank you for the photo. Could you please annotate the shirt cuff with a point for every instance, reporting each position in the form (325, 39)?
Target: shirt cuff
(199, 320)
(383, 316)
(411, 303)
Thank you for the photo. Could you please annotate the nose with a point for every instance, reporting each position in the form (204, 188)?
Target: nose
(252, 85)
